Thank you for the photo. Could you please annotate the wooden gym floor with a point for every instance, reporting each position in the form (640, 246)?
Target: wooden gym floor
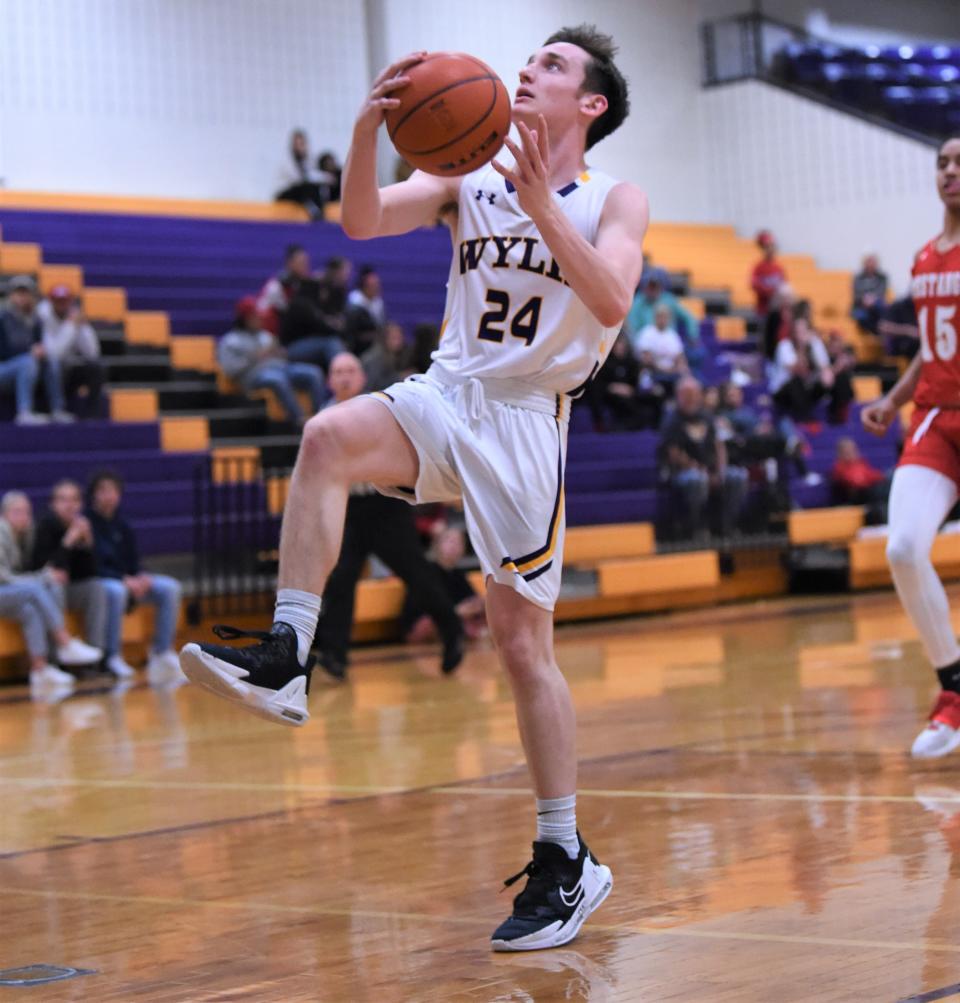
(743, 772)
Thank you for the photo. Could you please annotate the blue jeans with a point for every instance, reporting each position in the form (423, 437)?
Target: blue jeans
(283, 378)
(20, 373)
(318, 349)
(53, 383)
(164, 594)
(693, 488)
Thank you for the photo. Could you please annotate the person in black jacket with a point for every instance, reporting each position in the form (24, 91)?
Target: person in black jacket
(623, 396)
(126, 583)
(377, 524)
(63, 548)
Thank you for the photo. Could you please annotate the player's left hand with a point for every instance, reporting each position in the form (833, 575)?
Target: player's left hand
(531, 172)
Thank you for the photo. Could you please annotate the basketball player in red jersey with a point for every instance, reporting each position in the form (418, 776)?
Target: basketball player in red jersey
(926, 484)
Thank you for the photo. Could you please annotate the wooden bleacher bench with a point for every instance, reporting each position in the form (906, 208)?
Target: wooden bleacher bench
(868, 560)
(838, 524)
(137, 629)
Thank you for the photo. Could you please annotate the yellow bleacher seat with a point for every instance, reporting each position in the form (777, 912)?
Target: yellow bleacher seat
(825, 525)
(585, 545)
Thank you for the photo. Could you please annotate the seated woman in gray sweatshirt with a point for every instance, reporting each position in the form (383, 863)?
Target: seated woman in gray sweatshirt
(35, 602)
(251, 357)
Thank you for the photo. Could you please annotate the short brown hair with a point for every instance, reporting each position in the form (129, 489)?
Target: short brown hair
(600, 76)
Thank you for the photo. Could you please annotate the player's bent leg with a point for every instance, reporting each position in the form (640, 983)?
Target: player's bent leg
(358, 440)
(562, 889)
(920, 499)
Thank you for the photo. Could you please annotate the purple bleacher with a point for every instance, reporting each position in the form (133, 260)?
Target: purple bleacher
(82, 438)
(159, 486)
(196, 269)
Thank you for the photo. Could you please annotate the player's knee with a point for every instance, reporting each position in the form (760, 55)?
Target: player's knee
(518, 650)
(904, 552)
(322, 442)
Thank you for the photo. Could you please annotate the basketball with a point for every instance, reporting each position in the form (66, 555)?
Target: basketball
(453, 116)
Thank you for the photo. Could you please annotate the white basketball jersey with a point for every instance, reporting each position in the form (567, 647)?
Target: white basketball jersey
(510, 313)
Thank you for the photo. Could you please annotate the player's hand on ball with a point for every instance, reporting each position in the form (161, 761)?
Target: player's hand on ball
(381, 96)
(877, 416)
(530, 174)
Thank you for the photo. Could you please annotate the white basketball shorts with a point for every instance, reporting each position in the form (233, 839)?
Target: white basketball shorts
(505, 460)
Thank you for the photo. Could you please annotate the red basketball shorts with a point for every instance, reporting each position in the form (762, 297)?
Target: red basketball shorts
(934, 441)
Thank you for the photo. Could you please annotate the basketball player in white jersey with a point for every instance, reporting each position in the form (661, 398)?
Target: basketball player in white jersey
(547, 254)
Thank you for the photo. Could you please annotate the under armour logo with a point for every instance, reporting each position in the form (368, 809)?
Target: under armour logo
(489, 196)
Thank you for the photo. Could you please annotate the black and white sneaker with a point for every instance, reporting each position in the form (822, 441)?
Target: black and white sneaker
(560, 894)
(265, 679)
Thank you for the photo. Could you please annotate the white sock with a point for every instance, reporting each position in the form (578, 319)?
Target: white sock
(299, 610)
(557, 823)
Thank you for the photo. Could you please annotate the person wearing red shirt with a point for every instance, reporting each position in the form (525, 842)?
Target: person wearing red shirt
(768, 274)
(926, 484)
(852, 474)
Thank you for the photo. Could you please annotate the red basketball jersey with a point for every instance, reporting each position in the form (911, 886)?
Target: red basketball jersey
(935, 289)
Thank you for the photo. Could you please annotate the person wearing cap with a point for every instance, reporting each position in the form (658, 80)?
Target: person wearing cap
(70, 340)
(768, 274)
(22, 354)
(250, 356)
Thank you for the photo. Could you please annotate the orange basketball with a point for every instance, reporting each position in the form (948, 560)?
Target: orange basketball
(453, 117)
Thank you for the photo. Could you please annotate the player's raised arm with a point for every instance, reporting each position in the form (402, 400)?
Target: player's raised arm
(605, 274)
(366, 210)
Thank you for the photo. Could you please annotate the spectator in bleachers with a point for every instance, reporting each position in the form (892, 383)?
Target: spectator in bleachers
(388, 360)
(334, 286)
(694, 460)
(250, 356)
(869, 294)
(768, 274)
(778, 320)
(857, 482)
(274, 298)
(426, 337)
(753, 436)
(898, 328)
(416, 624)
(117, 564)
(313, 325)
(63, 550)
(661, 348)
(365, 312)
(843, 361)
(330, 173)
(622, 397)
(655, 272)
(801, 373)
(22, 355)
(384, 527)
(34, 601)
(643, 312)
(70, 341)
(300, 182)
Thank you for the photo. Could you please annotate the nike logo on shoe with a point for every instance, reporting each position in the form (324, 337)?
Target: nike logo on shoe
(572, 898)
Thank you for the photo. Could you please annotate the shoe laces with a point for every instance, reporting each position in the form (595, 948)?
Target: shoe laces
(541, 879)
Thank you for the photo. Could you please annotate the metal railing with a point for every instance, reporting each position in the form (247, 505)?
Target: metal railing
(238, 506)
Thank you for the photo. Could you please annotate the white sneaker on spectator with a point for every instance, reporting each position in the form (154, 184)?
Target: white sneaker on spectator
(77, 652)
(163, 669)
(63, 417)
(49, 677)
(120, 668)
(31, 418)
(812, 479)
